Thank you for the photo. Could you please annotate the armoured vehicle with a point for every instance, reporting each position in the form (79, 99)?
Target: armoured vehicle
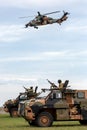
(55, 104)
(11, 106)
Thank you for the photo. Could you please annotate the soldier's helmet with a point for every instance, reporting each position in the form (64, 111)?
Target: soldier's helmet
(59, 81)
(31, 87)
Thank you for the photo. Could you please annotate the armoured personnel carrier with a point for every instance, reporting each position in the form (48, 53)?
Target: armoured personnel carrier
(11, 106)
(55, 104)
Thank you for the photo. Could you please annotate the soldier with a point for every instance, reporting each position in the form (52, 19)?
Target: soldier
(60, 84)
(30, 90)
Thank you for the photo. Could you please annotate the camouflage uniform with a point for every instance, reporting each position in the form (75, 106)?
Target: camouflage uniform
(60, 84)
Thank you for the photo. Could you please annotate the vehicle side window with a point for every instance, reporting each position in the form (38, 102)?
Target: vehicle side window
(23, 97)
(81, 95)
(56, 95)
(59, 95)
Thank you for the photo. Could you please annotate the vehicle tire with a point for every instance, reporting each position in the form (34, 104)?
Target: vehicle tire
(14, 112)
(83, 122)
(44, 119)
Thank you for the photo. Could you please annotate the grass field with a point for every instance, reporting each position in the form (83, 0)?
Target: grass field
(8, 123)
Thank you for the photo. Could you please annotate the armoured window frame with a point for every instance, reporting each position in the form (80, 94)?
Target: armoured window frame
(56, 95)
(81, 95)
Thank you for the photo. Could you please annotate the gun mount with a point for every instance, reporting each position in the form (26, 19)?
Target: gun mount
(52, 84)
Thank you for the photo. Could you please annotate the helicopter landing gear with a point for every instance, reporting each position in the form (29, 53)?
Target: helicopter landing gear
(36, 27)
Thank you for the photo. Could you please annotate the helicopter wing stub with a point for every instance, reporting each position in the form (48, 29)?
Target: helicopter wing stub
(29, 24)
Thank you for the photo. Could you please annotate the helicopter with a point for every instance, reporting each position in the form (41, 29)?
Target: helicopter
(41, 20)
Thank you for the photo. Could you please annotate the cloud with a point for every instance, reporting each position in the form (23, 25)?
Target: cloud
(78, 83)
(27, 3)
(14, 80)
(18, 59)
(77, 28)
(38, 3)
(55, 53)
(9, 33)
(38, 56)
(50, 55)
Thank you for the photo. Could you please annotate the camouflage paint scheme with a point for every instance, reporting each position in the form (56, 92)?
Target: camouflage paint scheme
(56, 105)
(11, 106)
(46, 20)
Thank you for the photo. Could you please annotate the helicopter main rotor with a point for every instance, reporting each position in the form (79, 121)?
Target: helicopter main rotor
(39, 14)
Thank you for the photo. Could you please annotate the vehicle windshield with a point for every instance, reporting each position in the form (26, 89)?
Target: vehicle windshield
(23, 97)
(44, 94)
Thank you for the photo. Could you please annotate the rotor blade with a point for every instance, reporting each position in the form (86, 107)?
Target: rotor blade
(65, 12)
(52, 12)
(26, 17)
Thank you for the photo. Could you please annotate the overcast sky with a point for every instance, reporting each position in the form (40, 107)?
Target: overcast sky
(30, 56)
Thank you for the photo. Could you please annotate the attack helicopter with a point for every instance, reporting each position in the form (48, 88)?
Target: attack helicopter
(43, 19)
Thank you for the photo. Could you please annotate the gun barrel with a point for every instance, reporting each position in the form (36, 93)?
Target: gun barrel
(25, 88)
(49, 81)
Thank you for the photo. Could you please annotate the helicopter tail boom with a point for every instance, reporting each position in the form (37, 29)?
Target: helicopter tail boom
(63, 18)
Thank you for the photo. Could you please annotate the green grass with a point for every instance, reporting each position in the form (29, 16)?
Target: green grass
(8, 123)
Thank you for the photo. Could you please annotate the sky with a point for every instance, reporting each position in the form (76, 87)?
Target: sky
(29, 56)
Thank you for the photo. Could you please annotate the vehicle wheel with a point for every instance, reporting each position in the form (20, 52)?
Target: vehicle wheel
(83, 122)
(14, 112)
(44, 119)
